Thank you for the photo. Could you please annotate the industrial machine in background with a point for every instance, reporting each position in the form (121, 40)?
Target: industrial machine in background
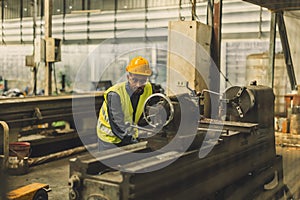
(233, 158)
(31, 125)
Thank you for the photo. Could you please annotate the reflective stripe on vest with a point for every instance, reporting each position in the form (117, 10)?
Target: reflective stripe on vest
(103, 128)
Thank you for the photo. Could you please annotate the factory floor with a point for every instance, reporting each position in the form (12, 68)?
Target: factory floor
(56, 174)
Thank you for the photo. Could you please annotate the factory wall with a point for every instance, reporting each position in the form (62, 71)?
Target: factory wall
(82, 65)
(234, 57)
(82, 34)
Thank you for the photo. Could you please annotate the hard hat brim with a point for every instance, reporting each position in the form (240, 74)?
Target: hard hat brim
(147, 72)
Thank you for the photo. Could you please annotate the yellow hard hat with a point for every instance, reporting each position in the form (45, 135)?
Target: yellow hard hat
(140, 66)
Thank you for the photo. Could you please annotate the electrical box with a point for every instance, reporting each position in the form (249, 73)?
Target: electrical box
(188, 56)
(29, 61)
(53, 50)
(39, 50)
(189, 59)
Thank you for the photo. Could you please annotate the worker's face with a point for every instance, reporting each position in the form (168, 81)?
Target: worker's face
(137, 81)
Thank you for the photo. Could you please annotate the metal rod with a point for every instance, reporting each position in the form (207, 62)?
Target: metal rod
(21, 22)
(64, 19)
(88, 21)
(286, 50)
(180, 8)
(260, 23)
(34, 39)
(83, 4)
(5, 143)
(61, 154)
(146, 19)
(48, 33)
(115, 19)
(2, 22)
(272, 47)
(41, 17)
(34, 17)
(212, 92)
(210, 11)
(214, 83)
(194, 10)
(217, 22)
(143, 129)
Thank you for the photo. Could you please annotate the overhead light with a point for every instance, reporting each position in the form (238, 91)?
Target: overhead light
(25, 9)
(70, 7)
(58, 10)
(125, 7)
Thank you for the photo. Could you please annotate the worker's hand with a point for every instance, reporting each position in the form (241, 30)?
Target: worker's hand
(128, 139)
(129, 130)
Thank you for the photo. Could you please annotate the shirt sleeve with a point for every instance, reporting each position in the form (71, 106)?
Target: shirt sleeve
(115, 115)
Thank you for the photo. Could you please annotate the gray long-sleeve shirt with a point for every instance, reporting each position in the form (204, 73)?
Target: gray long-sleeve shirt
(115, 113)
(114, 108)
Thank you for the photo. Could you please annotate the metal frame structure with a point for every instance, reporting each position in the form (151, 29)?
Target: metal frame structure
(278, 7)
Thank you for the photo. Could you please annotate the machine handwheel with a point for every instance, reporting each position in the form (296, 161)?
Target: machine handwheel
(156, 104)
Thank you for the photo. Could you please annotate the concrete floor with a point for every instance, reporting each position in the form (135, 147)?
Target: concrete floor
(56, 174)
(291, 169)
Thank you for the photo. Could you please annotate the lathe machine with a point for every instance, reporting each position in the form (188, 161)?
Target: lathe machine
(231, 156)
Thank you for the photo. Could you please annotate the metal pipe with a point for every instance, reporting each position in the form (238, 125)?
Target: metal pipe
(64, 19)
(212, 92)
(48, 34)
(286, 50)
(193, 10)
(115, 19)
(88, 21)
(5, 143)
(210, 11)
(21, 22)
(2, 22)
(34, 40)
(272, 46)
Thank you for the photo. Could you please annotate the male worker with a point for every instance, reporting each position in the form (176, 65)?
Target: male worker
(123, 105)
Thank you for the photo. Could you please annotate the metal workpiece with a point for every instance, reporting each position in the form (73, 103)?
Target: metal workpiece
(239, 100)
(253, 102)
(241, 165)
(156, 110)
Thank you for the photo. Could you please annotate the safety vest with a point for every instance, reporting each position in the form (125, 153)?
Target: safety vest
(104, 131)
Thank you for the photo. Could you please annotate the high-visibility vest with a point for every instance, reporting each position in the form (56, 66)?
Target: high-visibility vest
(104, 131)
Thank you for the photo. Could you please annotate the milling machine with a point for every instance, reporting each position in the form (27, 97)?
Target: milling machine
(189, 156)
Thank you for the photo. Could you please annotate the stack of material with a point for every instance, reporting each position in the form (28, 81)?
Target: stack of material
(295, 123)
